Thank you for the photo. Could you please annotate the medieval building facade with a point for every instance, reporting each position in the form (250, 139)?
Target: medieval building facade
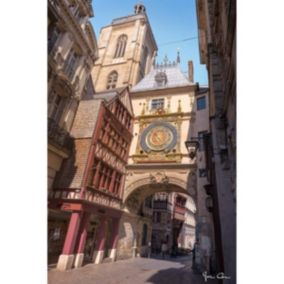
(217, 45)
(90, 183)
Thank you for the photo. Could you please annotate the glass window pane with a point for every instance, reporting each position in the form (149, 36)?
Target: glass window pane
(201, 103)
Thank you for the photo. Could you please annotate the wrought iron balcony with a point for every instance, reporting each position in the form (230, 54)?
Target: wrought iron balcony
(58, 135)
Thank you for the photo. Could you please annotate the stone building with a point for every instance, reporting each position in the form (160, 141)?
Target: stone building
(217, 45)
(204, 220)
(72, 51)
(172, 222)
(187, 234)
(158, 161)
(127, 49)
(161, 221)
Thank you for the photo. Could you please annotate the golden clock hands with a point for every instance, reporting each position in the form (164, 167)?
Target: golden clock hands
(157, 136)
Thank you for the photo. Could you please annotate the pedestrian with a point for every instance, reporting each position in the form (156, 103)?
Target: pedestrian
(164, 249)
(149, 249)
(194, 267)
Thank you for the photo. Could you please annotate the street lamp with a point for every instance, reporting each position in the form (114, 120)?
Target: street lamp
(192, 147)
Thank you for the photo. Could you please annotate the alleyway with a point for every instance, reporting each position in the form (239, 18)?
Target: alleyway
(131, 271)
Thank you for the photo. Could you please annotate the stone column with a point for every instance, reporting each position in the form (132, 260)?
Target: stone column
(114, 238)
(101, 239)
(82, 240)
(66, 259)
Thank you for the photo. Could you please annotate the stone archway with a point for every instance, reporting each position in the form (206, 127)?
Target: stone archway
(140, 185)
(150, 183)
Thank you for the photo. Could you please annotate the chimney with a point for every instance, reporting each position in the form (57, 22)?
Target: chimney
(190, 71)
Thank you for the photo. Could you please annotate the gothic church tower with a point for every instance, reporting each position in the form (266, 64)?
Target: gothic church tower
(127, 49)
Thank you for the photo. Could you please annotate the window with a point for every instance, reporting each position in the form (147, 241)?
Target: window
(112, 80)
(157, 104)
(202, 172)
(201, 103)
(53, 34)
(69, 67)
(144, 60)
(120, 46)
(57, 107)
(158, 217)
(118, 178)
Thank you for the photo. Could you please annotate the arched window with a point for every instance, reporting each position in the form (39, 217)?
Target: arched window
(120, 46)
(112, 80)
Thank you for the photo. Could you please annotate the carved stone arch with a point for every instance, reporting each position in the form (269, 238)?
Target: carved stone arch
(164, 182)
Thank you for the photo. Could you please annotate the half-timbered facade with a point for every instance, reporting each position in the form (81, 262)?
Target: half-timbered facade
(90, 183)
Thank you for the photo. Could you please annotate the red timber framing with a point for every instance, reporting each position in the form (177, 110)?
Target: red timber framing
(110, 147)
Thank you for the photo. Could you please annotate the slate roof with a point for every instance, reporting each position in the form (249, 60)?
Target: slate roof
(107, 96)
(175, 78)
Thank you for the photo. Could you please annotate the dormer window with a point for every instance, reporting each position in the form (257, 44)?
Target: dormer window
(120, 46)
(161, 78)
(112, 80)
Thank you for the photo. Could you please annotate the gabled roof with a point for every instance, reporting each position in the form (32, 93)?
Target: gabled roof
(110, 96)
(175, 78)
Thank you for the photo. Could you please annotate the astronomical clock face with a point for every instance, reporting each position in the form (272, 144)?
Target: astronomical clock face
(158, 137)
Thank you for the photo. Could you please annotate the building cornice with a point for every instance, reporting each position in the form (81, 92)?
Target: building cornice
(161, 166)
(166, 91)
(77, 31)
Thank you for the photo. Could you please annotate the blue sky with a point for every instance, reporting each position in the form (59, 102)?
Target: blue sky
(171, 20)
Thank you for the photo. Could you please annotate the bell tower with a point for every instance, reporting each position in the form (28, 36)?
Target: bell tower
(127, 49)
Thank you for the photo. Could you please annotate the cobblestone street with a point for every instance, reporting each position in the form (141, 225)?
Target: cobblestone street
(138, 271)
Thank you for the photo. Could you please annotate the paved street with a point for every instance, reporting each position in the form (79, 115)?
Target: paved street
(137, 271)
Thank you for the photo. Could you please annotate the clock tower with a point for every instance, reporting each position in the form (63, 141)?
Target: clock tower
(127, 49)
(163, 109)
(164, 115)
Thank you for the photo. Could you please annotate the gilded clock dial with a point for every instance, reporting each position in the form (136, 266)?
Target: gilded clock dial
(159, 138)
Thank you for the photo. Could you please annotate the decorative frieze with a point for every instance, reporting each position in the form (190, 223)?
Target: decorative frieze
(106, 156)
(91, 195)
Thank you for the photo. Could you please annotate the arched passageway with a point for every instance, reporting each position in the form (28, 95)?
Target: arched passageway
(158, 209)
